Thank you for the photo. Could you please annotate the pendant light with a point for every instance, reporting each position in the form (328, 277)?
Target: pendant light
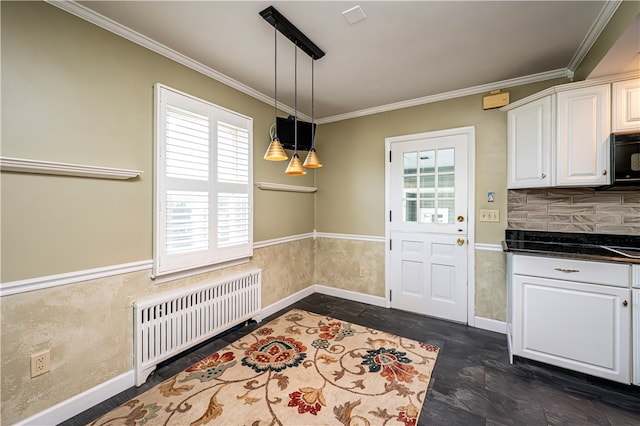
(312, 161)
(275, 152)
(295, 165)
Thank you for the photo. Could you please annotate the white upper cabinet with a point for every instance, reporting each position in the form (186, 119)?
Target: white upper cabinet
(529, 144)
(583, 129)
(626, 106)
(561, 135)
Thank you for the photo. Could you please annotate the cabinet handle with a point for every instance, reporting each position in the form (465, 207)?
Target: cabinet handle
(567, 270)
(604, 173)
(625, 303)
(543, 176)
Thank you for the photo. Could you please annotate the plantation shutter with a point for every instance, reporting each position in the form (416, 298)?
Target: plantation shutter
(203, 184)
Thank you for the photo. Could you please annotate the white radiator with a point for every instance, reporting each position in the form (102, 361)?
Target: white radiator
(169, 324)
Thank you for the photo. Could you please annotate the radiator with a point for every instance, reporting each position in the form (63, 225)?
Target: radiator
(167, 325)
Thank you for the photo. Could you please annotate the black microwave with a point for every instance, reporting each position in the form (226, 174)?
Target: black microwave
(625, 159)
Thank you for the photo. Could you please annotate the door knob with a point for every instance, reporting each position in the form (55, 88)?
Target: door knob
(460, 218)
(625, 303)
(543, 176)
(604, 173)
(460, 241)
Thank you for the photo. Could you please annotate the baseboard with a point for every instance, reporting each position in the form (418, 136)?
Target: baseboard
(287, 301)
(81, 402)
(351, 295)
(491, 325)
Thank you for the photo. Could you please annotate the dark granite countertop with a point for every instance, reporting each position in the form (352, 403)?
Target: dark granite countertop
(574, 245)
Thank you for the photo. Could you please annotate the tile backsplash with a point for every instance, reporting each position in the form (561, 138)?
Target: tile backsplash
(574, 210)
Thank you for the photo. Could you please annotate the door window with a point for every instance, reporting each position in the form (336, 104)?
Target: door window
(429, 186)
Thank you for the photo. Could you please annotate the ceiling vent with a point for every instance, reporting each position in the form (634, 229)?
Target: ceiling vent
(353, 15)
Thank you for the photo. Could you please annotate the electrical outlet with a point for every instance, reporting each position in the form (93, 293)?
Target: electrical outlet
(363, 271)
(489, 215)
(40, 363)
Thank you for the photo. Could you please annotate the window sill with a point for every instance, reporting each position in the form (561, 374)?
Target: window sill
(173, 276)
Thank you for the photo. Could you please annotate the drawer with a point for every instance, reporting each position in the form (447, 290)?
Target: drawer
(613, 274)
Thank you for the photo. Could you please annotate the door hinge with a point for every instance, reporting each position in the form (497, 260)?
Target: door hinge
(389, 156)
(390, 220)
(390, 296)
(390, 244)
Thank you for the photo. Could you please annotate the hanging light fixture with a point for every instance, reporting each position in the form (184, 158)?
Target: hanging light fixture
(275, 152)
(282, 24)
(295, 165)
(312, 161)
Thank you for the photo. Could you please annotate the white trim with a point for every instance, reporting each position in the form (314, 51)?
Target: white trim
(31, 284)
(485, 88)
(601, 22)
(351, 295)
(91, 397)
(281, 187)
(40, 283)
(488, 247)
(146, 42)
(283, 240)
(23, 165)
(350, 237)
(79, 403)
(571, 86)
(286, 302)
(491, 325)
(127, 33)
(172, 276)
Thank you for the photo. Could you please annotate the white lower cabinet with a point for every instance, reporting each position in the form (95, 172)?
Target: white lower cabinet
(636, 337)
(559, 319)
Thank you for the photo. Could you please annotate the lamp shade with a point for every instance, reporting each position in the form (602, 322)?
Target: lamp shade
(295, 166)
(275, 152)
(312, 161)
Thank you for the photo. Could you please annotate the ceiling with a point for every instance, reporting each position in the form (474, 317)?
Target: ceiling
(403, 53)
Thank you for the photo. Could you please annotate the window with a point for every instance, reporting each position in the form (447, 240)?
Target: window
(203, 183)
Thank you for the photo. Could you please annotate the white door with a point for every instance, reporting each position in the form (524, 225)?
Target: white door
(427, 193)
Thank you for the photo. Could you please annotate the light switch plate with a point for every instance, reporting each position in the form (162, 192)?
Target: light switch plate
(489, 215)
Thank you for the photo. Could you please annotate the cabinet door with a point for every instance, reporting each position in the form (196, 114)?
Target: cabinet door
(529, 145)
(636, 337)
(626, 106)
(581, 327)
(582, 136)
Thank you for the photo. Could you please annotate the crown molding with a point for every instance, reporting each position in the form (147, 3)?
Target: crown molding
(89, 15)
(596, 29)
(102, 21)
(570, 86)
(484, 88)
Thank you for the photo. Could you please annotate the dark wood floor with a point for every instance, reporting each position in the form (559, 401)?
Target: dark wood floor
(473, 382)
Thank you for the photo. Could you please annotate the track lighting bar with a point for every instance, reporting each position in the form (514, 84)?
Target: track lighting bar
(282, 24)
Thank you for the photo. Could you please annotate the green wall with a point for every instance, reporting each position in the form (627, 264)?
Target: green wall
(75, 93)
(351, 195)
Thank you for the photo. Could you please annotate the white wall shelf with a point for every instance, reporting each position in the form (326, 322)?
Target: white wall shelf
(23, 165)
(266, 186)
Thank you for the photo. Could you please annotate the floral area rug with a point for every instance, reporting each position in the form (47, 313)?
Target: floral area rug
(299, 369)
